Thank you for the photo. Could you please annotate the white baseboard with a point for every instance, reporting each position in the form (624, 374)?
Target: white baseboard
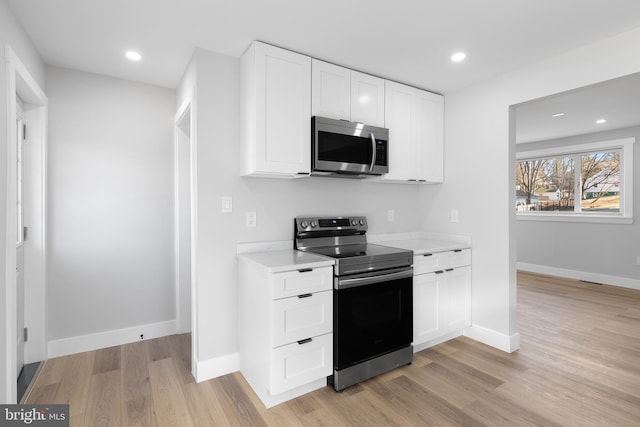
(216, 367)
(508, 343)
(605, 279)
(79, 344)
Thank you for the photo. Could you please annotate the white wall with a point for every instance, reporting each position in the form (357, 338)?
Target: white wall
(479, 163)
(111, 257)
(587, 249)
(277, 202)
(11, 34)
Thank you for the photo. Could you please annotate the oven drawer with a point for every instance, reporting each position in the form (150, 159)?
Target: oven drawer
(298, 282)
(296, 364)
(294, 319)
(441, 261)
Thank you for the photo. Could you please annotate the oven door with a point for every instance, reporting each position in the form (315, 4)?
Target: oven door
(373, 315)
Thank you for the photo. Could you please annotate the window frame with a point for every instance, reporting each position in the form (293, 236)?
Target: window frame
(625, 216)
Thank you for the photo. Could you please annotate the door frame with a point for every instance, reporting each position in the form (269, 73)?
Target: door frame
(182, 135)
(186, 322)
(20, 82)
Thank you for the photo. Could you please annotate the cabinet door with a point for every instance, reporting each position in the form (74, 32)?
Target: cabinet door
(400, 119)
(294, 319)
(330, 90)
(427, 316)
(298, 364)
(458, 288)
(283, 116)
(430, 136)
(367, 99)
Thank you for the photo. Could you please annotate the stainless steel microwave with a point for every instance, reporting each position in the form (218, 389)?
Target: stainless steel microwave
(348, 149)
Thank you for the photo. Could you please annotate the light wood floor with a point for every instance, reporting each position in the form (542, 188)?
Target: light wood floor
(578, 365)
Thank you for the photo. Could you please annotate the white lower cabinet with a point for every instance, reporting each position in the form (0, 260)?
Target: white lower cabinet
(441, 296)
(285, 325)
(301, 363)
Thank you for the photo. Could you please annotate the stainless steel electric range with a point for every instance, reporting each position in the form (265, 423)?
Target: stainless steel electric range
(372, 297)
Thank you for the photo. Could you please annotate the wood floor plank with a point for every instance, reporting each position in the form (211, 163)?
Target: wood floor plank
(106, 360)
(139, 412)
(75, 386)
(236, 405)
(158, 349)
(135, 371)
(168, 400)
(204, 407)
(104, 404)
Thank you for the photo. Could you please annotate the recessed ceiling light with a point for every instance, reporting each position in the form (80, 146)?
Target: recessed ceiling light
(133, 56)
(457, 57)
(601, 121)
(557, 114)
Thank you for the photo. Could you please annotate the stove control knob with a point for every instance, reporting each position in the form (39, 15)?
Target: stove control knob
(354, 222)
(362, 222)
(314, 224)
(304, 224)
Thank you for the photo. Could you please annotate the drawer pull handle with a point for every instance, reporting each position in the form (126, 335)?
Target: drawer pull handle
(305, 270)
(305, 295)
(305, 341)
(457, 250)
(439, 272)
(449, 269)
(427, 255)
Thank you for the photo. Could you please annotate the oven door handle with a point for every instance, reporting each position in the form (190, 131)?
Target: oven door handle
(369, 280)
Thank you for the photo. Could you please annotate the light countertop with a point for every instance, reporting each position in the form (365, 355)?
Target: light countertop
(287, 260)
(425, 246)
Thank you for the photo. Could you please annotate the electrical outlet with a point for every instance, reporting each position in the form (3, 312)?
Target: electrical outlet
(251, 219)
(391, 215)
(455, 215)
(638, 260)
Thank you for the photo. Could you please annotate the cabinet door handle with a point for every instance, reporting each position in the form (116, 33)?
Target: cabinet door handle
(304, 295)
(457, 250)
(449, 269)
(439, 272)
(305, 341)
(427, 255)
(305, 270)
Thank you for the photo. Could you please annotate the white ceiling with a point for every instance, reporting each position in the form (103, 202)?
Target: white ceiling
(617, 101)
(405, 40)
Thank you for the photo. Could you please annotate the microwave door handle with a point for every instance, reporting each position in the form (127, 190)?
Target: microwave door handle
(373, 149)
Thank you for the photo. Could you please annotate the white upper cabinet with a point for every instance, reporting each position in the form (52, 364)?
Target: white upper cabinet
(276, 112)
(331, 90)
(430, 136)
(415, 119)
(367, 99)
(341, 93)
(400, 112)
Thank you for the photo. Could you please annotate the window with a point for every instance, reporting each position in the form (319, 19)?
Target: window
(589, 182)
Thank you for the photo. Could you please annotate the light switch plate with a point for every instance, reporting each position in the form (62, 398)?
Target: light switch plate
(455, 215)
(227, 204)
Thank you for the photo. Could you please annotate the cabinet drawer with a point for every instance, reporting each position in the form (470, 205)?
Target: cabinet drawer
(298, 282)
(440, 261)
(296, 364)
(294, 319)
